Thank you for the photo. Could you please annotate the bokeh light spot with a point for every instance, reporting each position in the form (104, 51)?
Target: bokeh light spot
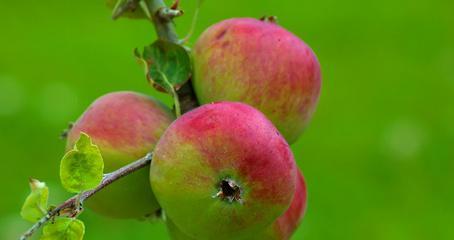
(404, 139)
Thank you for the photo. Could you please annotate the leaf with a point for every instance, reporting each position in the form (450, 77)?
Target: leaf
(64, 229)
(133, 9)
(82, 167)
(167, 65)
(35, 205)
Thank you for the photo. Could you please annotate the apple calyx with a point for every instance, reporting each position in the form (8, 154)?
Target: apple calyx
(229, 191)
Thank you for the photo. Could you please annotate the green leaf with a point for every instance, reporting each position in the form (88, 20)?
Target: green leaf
(35, 205)
(167, 65)
(64, 229)
(133, 9)
(82, 167)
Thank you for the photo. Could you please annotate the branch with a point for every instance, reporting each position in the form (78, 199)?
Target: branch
(168, 14)
(162, 19)
(73, 205)
(165, 30)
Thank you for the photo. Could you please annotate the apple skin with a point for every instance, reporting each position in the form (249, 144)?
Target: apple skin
(175, 233)
(261, 64)
(223, 146)
(281, 229)
(125, 126)
(285, 225)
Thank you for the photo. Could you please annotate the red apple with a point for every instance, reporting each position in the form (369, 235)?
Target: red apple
(223, 171)
(261, 64)
(125, 126)
(285, 225)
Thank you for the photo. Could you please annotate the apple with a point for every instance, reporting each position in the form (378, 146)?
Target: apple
(125, 126)
(175, 233)
(285, 225)
(223, 171)
(261, 64)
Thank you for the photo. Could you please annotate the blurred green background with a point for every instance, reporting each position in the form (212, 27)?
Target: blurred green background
(378, 156)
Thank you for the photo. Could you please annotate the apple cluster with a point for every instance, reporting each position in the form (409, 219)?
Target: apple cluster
(224, 170)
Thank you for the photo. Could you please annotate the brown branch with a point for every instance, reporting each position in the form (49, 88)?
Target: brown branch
(162, 20)
(186, 95)
(73, 205)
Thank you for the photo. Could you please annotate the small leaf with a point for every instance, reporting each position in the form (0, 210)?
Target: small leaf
(82, 167)
(35, 205)
(133, 9)
(167, 65)
(64, 229)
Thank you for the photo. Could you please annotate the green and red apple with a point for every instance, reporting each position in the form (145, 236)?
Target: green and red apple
(261, 64)
(281, 229)
(285, 225)
(223, 171)
(125, 126)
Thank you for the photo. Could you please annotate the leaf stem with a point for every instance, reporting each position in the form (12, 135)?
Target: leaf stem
(193, 23)
(176, 103)
(176, 100)
(72, 204)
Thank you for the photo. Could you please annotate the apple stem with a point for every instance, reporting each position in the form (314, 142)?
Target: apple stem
(193, 23)
(72, 206)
